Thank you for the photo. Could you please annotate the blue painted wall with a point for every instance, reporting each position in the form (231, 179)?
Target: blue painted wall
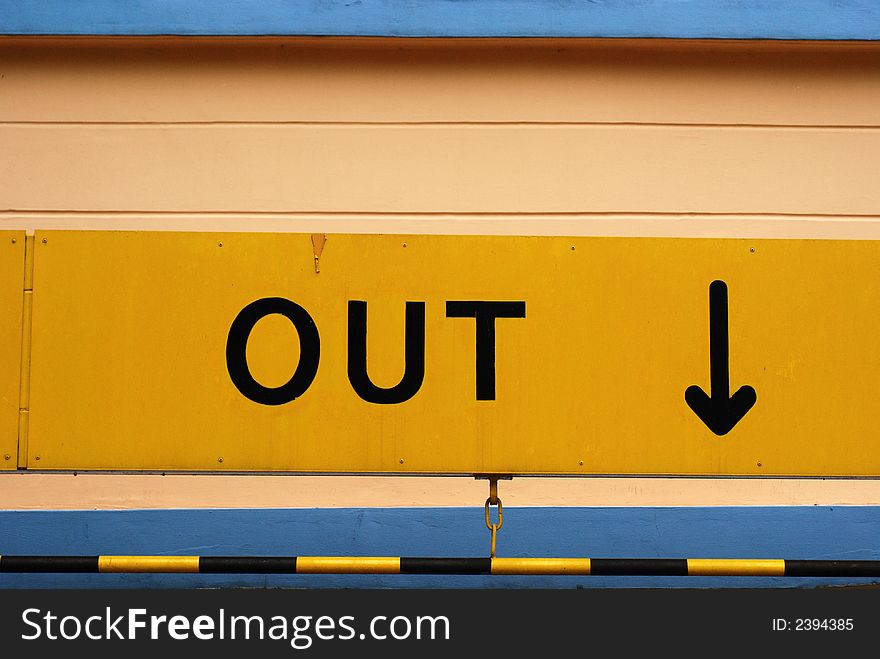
(694, 19)
(812, 532)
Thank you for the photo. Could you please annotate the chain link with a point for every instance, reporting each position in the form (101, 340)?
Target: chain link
(494, 528)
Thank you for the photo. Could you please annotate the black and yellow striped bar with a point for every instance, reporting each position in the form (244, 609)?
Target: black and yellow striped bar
(617, 567)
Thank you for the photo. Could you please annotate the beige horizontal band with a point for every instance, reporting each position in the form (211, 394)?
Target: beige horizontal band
(31, 491)
(658, 225)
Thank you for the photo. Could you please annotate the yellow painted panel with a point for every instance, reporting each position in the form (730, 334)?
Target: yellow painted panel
(11, 302)
(130, 336)
(440, 169)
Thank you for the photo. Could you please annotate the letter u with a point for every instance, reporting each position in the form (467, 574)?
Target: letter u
(414, 369)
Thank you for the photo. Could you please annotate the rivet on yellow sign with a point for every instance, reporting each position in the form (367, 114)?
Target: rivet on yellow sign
(455, 354)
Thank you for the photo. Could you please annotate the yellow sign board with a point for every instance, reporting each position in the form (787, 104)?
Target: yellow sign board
(454, 354)
(12, 286)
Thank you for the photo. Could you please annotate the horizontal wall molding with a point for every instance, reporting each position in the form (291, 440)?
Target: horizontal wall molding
(386, 81)
(520, 224)
(691, 19)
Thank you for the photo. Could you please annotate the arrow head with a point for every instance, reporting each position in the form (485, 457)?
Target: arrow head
(720, 415)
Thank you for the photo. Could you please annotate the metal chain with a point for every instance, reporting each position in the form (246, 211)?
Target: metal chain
(494, 528)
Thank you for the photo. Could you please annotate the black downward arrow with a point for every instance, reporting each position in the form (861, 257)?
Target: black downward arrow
(720, 411)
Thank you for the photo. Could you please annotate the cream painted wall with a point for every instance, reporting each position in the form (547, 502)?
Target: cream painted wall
(577, 137)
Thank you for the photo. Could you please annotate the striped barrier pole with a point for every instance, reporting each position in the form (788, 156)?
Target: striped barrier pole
(679, 567)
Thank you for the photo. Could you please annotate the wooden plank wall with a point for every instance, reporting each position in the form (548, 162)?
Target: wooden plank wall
(353, 130)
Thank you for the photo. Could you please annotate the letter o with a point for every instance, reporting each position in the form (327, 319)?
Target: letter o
(77, 626)
(236, 351)
(394, 622)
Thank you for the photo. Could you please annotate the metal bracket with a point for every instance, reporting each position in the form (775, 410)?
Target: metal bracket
(493, 500)
(318, 240)
(493, 484)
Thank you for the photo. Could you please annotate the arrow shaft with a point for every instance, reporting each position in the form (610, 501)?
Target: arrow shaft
(719, 343)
